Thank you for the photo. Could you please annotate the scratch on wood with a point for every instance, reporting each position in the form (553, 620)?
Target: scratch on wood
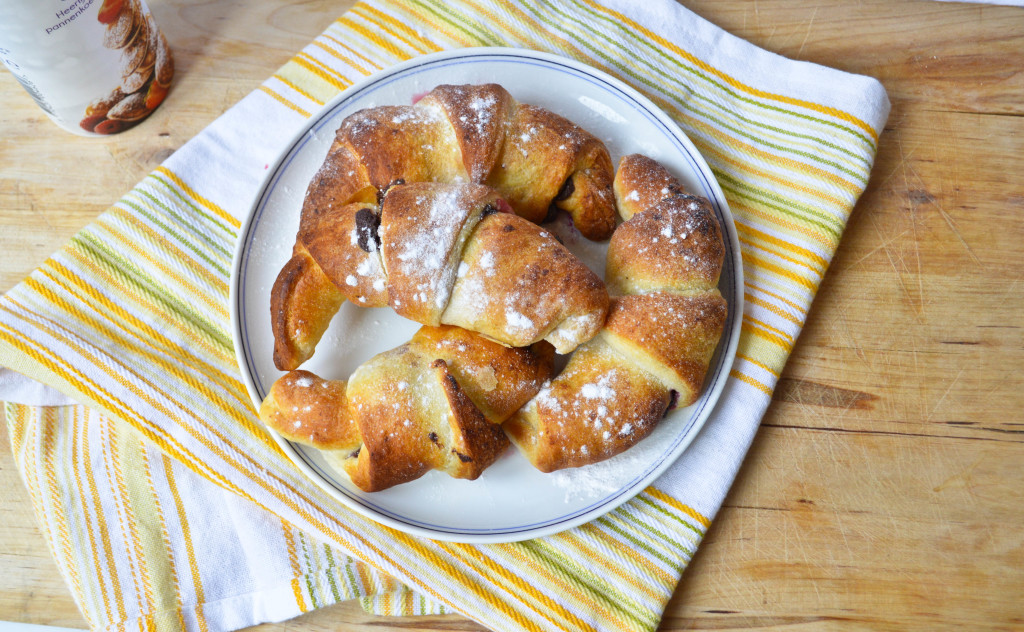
(913, 226)
(961, 479)
(19, 192)
(922, 196)
(901, 163)
(817, 394)
(740, 621)
(944, 395)
(956, 233)
(810, 24)
(886, 242)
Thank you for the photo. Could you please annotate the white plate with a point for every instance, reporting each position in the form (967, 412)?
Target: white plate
(511, 501)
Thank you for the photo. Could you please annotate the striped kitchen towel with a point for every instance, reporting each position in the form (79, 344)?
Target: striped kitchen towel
(165, 503)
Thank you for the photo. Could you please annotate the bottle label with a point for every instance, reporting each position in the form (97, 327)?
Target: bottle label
(94, 66)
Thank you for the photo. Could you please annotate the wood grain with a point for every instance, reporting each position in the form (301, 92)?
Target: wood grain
(884, 489)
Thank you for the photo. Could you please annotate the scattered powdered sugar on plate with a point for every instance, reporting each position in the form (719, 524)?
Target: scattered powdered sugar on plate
(593, 482)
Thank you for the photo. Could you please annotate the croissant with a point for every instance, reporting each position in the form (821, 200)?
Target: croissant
(665, 320)
(436, 402)
(537, 160)
(437, 254)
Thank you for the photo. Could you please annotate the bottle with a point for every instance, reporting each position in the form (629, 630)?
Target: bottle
(95, 67)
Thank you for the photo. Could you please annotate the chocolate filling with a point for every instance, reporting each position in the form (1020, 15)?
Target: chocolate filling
(367, 225)
(568, 188)
(566, 191)
(552, 215)
(673, 400)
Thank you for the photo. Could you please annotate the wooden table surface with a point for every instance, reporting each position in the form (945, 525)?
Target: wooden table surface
(884, 489)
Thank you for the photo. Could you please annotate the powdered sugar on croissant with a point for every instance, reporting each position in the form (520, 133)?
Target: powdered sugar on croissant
(664, 323)
(435, 402)
(536, 159)
(438, 254)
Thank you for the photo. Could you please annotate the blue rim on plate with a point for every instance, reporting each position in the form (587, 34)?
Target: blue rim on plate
(456, 64)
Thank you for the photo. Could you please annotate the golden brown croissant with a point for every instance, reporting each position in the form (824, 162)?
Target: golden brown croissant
(438, 254)
(436, 402)
(537, 160)
(665, 320)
